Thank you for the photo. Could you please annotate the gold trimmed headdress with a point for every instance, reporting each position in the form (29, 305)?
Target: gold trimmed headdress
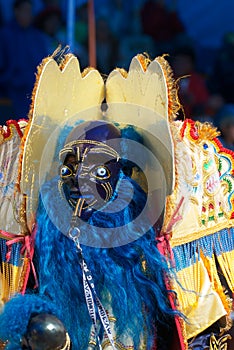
(142, 97)
(62, 94)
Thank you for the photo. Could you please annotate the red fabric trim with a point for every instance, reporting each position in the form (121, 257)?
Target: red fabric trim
(221, 148)
(7, 132)
(182, 130)
(165, 249)
(191, 124)
(27, 249)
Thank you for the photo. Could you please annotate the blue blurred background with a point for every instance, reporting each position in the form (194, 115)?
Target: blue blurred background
(197, 35)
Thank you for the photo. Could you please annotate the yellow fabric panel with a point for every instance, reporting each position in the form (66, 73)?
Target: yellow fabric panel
(60, 93)
(11, 279)
(226, 262)
(198, 301)
(141, 98)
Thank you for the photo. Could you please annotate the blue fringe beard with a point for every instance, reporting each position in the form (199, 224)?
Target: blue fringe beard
(138, 299)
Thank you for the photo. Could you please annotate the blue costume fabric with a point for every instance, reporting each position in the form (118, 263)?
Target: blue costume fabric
(138, 295)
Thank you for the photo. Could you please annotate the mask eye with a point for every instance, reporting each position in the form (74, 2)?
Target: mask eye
(101, 172)
(65, 172)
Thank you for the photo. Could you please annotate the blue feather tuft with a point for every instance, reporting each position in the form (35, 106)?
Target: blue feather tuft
(17, 312)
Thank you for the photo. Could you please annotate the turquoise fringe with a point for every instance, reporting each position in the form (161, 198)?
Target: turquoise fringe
(218, 243)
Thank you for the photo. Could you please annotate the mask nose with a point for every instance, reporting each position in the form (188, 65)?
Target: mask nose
(81, 178)
(84, 186)
(87, 187)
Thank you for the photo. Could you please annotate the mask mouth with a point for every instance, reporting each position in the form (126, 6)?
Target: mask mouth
(75, 195)
(81, 202)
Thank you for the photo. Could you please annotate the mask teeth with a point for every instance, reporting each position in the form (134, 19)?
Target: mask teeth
(79, 207)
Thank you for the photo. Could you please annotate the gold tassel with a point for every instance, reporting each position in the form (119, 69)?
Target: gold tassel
(10, 279)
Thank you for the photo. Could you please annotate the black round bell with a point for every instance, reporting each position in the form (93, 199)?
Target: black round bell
(44, 332)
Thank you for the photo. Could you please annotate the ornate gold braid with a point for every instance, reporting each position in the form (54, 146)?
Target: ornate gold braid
(92, 142)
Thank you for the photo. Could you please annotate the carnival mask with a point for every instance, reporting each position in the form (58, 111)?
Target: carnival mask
(91, 167)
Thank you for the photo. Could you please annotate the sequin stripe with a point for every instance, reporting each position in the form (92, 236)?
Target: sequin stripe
(13, 247)
(10, 270)
(8, 131)
(10, 280)
(15, 257)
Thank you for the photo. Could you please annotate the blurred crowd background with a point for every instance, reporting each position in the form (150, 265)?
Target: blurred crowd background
(198, 36)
